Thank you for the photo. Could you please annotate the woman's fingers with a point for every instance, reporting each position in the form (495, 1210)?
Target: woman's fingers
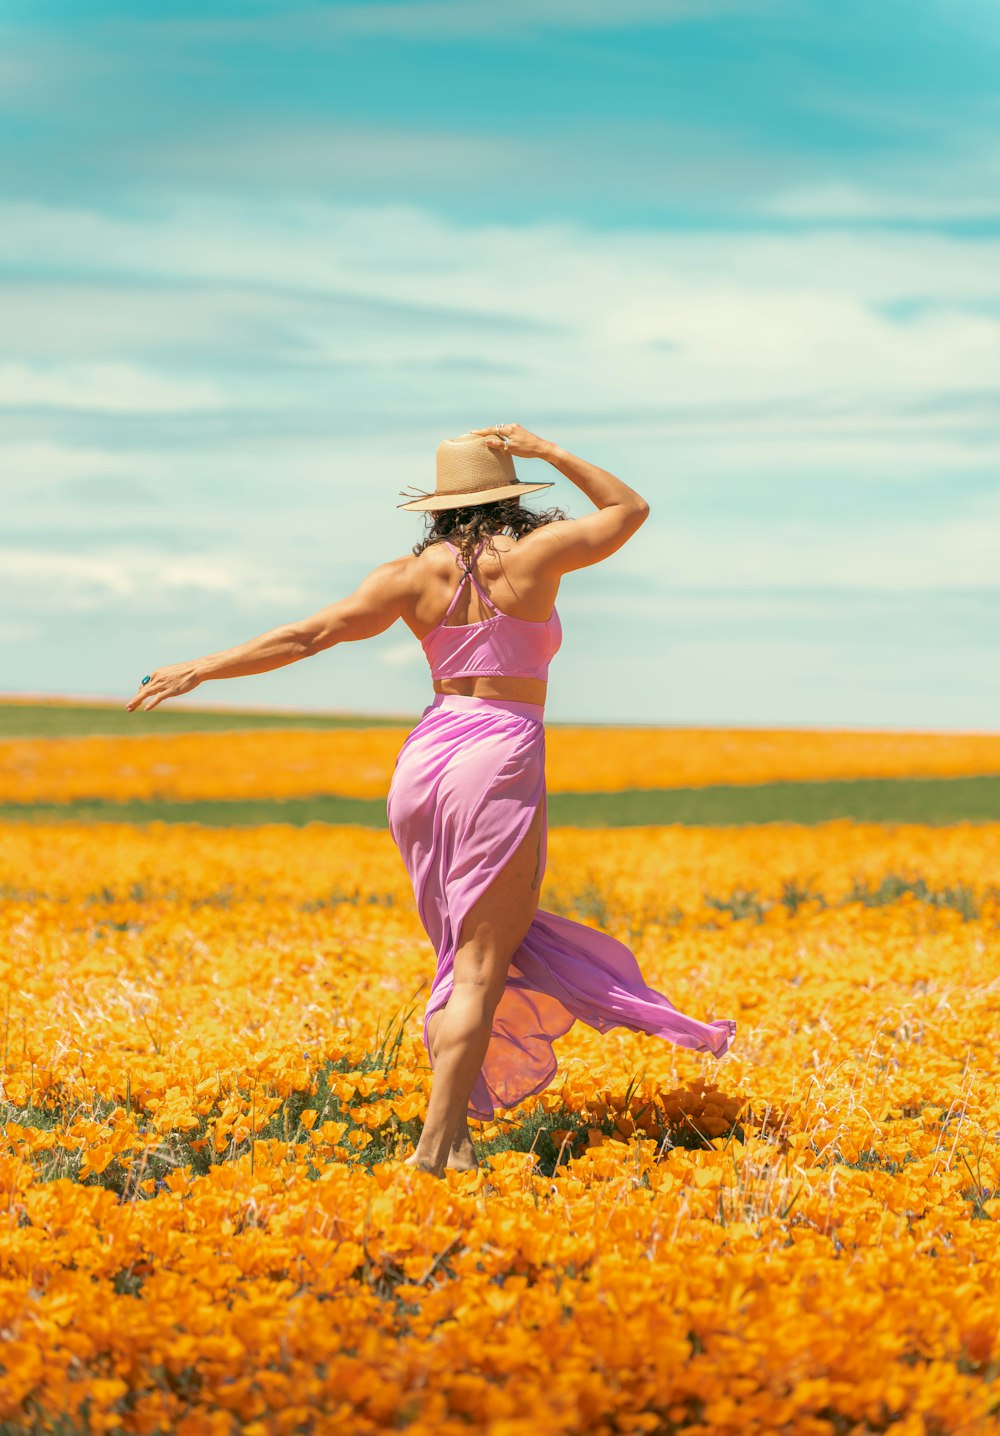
(493, 439)
(143, 700)
(150, 696)
(521, 443)
(509, 431)
(164, 683)
(144, 691)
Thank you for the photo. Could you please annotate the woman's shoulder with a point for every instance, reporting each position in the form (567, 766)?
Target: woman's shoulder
(443, 553)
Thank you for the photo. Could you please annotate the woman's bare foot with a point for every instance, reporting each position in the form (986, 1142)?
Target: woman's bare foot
(423, 1166)
(462, 1157)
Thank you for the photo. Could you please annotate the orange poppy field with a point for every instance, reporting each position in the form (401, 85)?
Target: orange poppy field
(358, 762)
(213, 1069)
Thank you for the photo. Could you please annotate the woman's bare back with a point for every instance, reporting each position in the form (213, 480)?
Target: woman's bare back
(514, 576)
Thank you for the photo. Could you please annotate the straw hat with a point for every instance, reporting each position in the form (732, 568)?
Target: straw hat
(470, 472)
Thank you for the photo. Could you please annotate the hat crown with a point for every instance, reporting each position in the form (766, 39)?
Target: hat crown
(468, 465)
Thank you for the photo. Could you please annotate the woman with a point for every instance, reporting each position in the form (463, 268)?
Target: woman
(466, 805)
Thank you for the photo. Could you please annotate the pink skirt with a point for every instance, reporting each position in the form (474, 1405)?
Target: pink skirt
(464, 790)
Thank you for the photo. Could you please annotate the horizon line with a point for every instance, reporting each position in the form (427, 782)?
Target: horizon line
(89, 700)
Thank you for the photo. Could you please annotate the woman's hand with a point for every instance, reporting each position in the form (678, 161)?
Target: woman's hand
(521, 443)
(165, 683)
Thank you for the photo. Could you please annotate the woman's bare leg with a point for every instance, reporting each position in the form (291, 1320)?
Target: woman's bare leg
(462, 1157)
(491, 934)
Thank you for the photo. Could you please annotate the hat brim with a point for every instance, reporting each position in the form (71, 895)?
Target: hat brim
(486, 496)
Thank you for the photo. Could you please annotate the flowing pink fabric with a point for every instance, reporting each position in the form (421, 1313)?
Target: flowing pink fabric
(464, 790)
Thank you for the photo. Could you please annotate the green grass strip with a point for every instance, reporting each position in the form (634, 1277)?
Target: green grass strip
(50, 720)
(889, 800)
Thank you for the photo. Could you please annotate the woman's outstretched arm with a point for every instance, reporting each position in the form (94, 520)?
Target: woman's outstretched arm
(372, 608)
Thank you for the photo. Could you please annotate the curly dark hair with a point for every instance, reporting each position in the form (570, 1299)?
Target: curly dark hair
(467, 526)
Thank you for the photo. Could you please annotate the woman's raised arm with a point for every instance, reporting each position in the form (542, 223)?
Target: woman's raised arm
(568, 544)
(372, 608)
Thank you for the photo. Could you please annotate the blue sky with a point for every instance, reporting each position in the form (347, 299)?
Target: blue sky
(256, 260)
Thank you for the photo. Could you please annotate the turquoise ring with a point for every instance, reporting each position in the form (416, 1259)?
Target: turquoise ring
(145, 680)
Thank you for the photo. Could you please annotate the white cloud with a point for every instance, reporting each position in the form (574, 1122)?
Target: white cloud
(85, 320)
(849, 200)
(455, 16)
(90, 575)
(324, 156)
(431, 20)
(39, 579)
(923, 184)
(30, 70)
(782, 332)
(756, 386)
(515, 16)
(102, 389)
(757, 556)
(48, 463)
(892, 555)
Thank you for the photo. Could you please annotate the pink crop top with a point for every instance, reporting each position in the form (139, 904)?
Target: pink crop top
(498, 645)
